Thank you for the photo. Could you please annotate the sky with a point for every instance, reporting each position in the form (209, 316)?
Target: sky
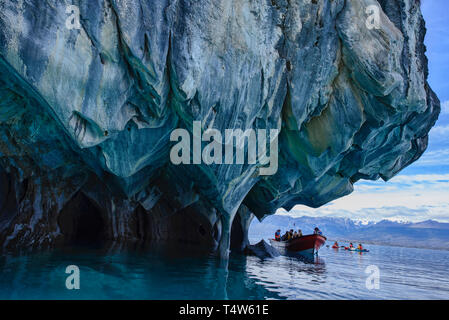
(421, 191)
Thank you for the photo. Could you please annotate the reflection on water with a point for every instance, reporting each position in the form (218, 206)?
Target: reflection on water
(170, 273)
(119, 273)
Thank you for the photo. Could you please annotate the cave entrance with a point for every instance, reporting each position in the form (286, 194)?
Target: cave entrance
(81, 222)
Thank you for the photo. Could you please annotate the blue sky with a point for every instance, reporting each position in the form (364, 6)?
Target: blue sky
(421, 191)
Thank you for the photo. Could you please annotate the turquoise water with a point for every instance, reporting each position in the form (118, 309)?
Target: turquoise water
(154, 274)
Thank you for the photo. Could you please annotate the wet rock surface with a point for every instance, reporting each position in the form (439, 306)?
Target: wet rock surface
(86, 114)
(261, 250)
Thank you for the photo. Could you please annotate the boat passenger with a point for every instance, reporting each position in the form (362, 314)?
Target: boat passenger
(317, 231)
(277, 235)
(295, 235)
(285, 236)
(290, 235)
(299, 233)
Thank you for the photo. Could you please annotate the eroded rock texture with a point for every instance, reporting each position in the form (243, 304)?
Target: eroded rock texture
(86, 114)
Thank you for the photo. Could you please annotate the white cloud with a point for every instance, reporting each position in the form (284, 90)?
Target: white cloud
(445, 107)
(438, 136)
(429, 178)
(440, 132)
(433, 158)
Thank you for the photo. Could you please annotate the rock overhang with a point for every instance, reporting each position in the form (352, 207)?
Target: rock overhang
(94, 107)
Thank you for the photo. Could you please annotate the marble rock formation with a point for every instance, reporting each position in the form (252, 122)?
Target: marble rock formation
(86, 112)
(262, 250)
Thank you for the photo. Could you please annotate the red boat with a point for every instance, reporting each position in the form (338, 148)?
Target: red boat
(308, 244)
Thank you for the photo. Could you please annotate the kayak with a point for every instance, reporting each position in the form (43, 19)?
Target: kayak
(335, 247)
(355, 249)
(308, 244)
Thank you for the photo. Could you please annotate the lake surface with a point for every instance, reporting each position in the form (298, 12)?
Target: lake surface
(405, 273)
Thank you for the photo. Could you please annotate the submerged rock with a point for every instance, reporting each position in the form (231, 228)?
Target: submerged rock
(261, 250)
(86, 113)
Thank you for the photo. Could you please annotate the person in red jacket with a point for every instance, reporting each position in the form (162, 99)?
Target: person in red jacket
(277, 235)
